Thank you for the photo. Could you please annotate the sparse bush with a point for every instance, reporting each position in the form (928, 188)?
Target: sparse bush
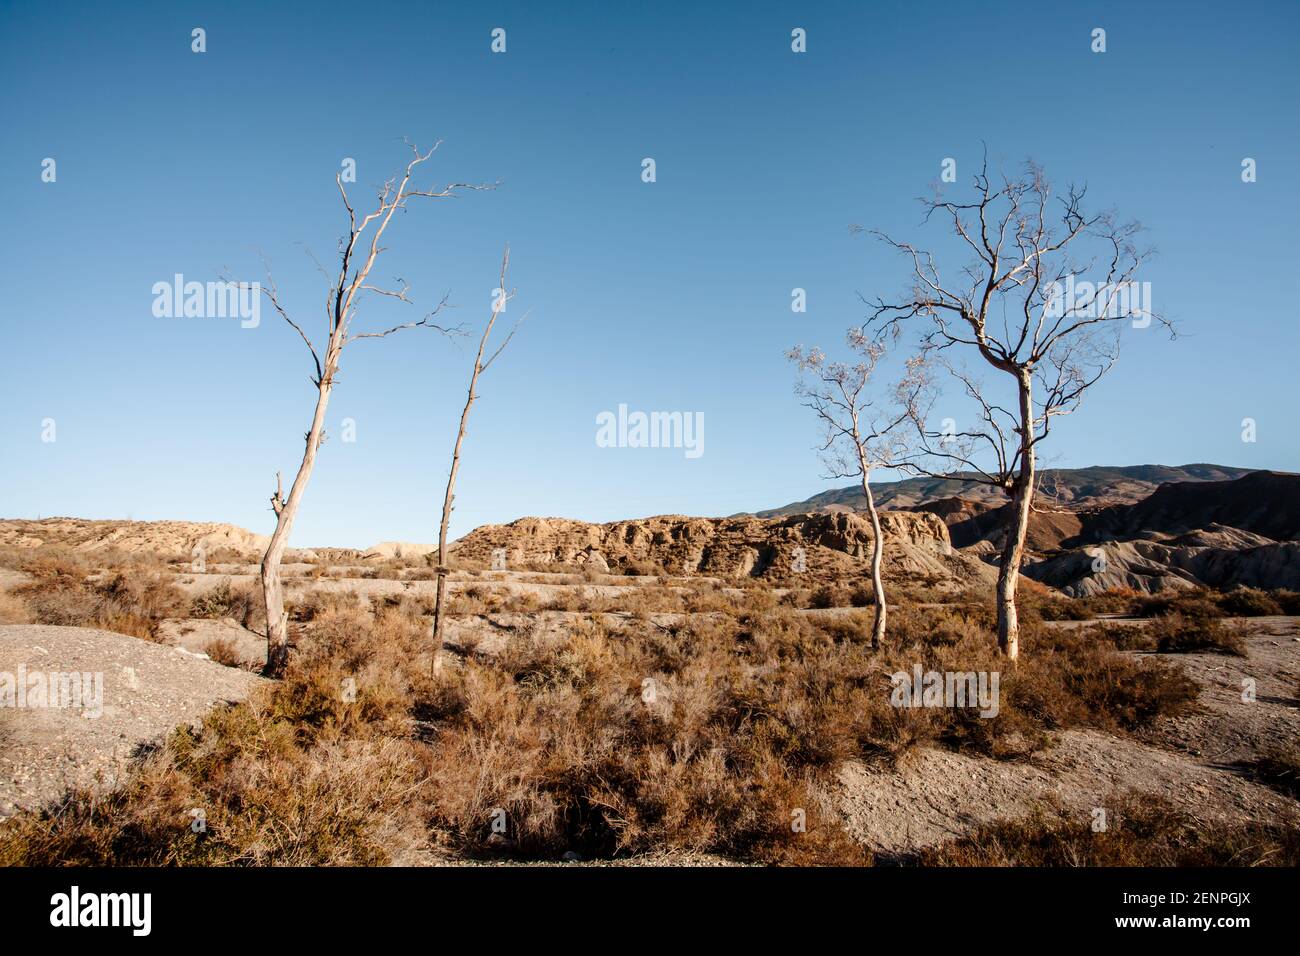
(1249, 602)
(125, 600)
(226, 600)
(13, 609)
(223, 651)
(1177, 633)
(1289, 601)
(1125, 637)
(862, 597)
(827, 596)
(1064, 609)
(1198, 604)
(1143, 831)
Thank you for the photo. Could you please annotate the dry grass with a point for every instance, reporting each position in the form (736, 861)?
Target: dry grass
(717, 733)
(13, 609)
(1142, 831)
(126, 599)
(708, 734)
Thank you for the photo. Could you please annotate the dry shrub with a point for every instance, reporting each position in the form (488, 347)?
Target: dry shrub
(721, 732)
(1179, 633)
(685, 737)
(1125, 637)
(710, 733)
(1197, 603)
(299, 775)
(861, 596)
(318, 601)
(121, 599)
(265, 801)
(13, 609)
(828, 596)
(1057, 607)
(243, 602)
(1249, 602)
(1143, 830)
(223, 651)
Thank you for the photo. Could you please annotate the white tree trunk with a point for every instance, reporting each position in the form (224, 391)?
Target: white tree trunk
(277, 624)
(877, 557)
(1013, 549)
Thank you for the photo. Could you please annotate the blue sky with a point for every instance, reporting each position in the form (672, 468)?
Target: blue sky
(673, 295)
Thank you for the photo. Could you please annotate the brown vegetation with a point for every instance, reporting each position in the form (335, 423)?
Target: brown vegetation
(719, 732)
(1141, 831)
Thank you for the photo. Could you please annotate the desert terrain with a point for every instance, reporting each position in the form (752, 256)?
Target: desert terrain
(668, 690)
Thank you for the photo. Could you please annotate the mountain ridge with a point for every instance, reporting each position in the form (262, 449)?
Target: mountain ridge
(1095, 486)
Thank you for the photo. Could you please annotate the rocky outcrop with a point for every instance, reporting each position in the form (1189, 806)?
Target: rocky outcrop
(917, 545)
(972, 522)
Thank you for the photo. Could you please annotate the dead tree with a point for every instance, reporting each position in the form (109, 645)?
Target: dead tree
(1042, 302)
(858, 437)
(358, 253)
(499, 301)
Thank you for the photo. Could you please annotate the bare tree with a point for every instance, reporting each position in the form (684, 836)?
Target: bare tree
(358, 253)
(1042, 301)
(499, 301)
(858, 437)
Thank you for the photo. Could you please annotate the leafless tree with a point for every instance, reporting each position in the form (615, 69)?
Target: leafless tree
(358, 253)
(499, 301)
(858, 436)
(1042, 301)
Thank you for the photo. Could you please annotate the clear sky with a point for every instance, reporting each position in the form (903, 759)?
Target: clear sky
(673, 295)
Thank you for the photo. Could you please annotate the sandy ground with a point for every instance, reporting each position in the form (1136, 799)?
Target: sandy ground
(147, 689)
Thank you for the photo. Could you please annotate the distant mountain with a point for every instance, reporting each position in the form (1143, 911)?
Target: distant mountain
(1219, 534)
(1263, 503)
(1071, 489)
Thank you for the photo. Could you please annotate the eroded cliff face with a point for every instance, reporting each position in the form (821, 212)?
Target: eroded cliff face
(916, 544)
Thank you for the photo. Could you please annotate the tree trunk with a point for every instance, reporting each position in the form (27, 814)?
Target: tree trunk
(877, 556)
(277, 623)
(455, 467)
(1013, 549)
(446, 507)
